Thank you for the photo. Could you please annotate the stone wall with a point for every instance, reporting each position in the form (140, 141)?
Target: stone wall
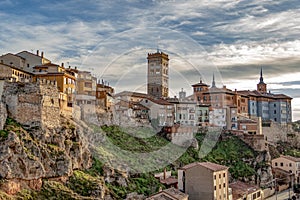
(257, 142)
(32, 104)
(3, 115)
(3, 112)
(276, 132)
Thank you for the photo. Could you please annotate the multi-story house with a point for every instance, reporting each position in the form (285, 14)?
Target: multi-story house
(65, 82)
(32, 59)
(185, 111)
(204, 180)
(289, 164)
(14, 74)
(24, 60)
(161, 111)
(104, 96)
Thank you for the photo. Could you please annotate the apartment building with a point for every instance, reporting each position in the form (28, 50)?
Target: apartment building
(204, 181)
(268, 106)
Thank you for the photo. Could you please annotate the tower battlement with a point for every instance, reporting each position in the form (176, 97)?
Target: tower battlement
(158, 55)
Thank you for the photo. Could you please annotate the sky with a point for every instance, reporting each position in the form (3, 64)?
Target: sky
(232, 39)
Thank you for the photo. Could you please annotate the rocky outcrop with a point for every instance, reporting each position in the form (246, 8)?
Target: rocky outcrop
(263, 168)
(28, 156)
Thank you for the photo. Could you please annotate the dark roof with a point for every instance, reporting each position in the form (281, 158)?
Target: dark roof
(200, 84)
(209, 165)
(14, 55)
(240, 188)
(169, 181)
(133, 94)
(258, 94)
(31, 54)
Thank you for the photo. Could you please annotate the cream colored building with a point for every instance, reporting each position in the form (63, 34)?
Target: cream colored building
(204, 181)
(24, 60)
(14, 74)
(32, 60)
(289, 164)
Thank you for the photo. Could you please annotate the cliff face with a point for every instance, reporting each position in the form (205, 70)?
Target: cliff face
(36, 142)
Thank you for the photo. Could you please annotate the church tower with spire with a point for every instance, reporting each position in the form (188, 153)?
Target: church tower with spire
(261, 86)
(213, 84)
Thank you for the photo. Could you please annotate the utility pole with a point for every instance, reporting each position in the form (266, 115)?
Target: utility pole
(276, 188)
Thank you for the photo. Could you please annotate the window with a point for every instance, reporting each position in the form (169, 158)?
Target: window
(290, 164)
(276, 164)
(258, 194)
(254, 196)
(224, 175)
(224, 185)
(215, 177)
(274, 111)
(281, 164)
(219, 175)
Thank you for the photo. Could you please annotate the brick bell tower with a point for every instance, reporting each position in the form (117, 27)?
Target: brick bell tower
(158, 75)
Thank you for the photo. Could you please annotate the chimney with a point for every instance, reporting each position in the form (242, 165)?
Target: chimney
(62, 65)
(37, 52)
(75, 67)
(42, 54)
(165, 173)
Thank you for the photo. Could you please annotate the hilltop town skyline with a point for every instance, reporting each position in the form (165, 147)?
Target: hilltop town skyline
(232, 39)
